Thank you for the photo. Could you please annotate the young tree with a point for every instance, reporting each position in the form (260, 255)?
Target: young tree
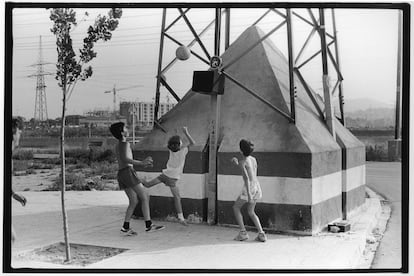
(71, 68)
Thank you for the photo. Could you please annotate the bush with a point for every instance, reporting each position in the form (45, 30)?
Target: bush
(104, 168)
(376, 153)
(21, 165)
(31, 171)
(82, 154)
(97, 154)
(42, 166)
(74, 182)
(23, 155)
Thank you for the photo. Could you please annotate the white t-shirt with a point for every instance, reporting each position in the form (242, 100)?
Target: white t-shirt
(175, 164)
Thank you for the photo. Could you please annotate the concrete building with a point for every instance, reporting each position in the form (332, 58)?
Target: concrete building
(144, 116)
(100, 118)
(308, 177)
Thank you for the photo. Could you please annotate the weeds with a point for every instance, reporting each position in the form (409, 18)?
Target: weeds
(21, 154)
(376, 153)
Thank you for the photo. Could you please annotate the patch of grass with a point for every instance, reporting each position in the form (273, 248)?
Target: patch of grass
(376, 153)
(41, 166)
(104, 167)
(82, 254)
(22, 154)
(31, 171)
(21, 165)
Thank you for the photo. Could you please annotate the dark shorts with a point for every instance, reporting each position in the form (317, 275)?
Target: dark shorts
(168, 181)
(127, 178)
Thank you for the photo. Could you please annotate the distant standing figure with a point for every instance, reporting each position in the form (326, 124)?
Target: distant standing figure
(17, 129)
(175, 165)
(251, 192)
(130, 182)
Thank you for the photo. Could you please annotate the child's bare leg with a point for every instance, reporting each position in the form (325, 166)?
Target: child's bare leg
(143, 196)
(237, 213)
(253, 216)
(177, 199)
(177, 203)
(133, 201)
(151, 183)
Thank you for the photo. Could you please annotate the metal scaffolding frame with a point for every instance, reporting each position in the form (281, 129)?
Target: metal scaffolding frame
(288, 16)
(220, 75)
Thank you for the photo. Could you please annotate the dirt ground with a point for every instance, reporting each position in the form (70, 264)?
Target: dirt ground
(81, 255)
(41, 179)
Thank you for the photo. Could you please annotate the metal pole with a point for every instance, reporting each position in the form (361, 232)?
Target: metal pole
(325, 77)
(341, 92)
(133, 123)
(227, 38)
(214, 121)
(397, 102)
(291, 65)
(157, 91)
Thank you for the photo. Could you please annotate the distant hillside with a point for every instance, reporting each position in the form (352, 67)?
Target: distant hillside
(369, 113)
(352, 105)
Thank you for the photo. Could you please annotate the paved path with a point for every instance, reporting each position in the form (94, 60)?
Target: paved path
(385, 179)
(96, 216)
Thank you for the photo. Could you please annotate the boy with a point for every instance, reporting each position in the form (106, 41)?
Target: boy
(17, 127)
(172, 173)
(129, 181)
(250, 193)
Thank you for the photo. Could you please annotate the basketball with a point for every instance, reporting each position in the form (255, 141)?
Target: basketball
(182, 53)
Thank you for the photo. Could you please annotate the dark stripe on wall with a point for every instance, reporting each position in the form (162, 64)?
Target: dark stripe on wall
(326, 211)
(355, 157)
(305, 219)
(279, 164)
(354, 198)
(284, 164)
(276, 217)
(161, 207)
(195, 162)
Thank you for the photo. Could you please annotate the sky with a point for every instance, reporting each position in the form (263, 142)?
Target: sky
(367, 41)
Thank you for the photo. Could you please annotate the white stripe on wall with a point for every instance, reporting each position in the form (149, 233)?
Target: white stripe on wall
(284, 190)
(276, 190)
(355, 177)
(190, 186)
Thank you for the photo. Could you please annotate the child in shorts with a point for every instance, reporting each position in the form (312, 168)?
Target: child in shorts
(17, 129)
(250, 193)
(175, 165)
(130, 182)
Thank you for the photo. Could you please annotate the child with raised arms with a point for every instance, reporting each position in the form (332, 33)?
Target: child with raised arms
(174, 170)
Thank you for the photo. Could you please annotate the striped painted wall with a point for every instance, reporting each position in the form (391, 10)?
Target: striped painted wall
(303, 204)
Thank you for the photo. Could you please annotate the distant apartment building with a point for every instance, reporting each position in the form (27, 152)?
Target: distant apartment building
(144, 116)
(100, 118)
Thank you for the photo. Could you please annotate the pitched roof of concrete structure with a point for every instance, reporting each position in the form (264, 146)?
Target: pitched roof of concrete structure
(264, 70)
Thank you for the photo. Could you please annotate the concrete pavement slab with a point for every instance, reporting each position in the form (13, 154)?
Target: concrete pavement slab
(95, 218)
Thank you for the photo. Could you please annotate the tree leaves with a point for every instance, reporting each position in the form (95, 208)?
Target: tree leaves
(69, 69)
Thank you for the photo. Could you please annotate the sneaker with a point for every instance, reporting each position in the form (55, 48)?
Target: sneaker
(183, 222)
(128, 232)
(261, 237)
(154, 228)
(242, 236)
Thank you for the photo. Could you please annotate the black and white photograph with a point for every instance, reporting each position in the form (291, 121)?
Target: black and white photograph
(206, 137)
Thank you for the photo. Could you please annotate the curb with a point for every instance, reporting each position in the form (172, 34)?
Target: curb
(371, 212)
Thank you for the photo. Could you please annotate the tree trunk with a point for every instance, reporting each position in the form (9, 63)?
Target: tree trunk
(63, 178)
